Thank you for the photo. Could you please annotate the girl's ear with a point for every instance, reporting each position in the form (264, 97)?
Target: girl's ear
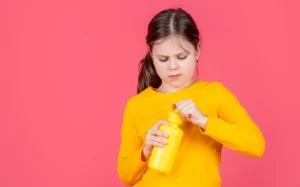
(198, 51)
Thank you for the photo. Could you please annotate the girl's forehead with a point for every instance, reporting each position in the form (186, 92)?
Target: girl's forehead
(171, 45)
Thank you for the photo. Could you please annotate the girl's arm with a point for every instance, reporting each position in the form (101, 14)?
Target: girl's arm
(130, 165)
(233, 127)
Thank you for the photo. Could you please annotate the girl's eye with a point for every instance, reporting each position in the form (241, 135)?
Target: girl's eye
(166, 59)
(181, 58)
(163, 60)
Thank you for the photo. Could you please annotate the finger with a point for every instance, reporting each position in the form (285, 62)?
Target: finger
(187, 109)
(159, 123)
(184, 104)
(193, 110)
(180, 103)
(187, 115)
(148, 137)
(150, 131)
(153, 143)
(174, 106)
(159, 140)
(160, 133)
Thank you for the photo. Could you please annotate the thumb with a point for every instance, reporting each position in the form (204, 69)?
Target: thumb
(187, 115)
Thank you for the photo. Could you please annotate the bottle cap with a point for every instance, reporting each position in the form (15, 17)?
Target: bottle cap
(175, 117)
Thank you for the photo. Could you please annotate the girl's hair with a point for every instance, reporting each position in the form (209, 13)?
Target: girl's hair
(165, 23)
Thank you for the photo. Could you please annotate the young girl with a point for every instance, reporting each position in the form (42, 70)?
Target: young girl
(213, 117)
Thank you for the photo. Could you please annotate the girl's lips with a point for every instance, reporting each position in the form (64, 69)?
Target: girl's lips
(175, 76)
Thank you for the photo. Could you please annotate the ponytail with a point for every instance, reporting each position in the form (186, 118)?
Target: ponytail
(148, 75)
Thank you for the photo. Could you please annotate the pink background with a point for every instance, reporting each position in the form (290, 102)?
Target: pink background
(67, 69)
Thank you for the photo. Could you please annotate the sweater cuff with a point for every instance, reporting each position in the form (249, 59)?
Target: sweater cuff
(211, 126)
(140, 166)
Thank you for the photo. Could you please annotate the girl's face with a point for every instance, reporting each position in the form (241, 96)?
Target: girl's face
(175, 61)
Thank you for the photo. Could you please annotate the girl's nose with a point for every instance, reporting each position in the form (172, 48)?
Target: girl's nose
(173, 64)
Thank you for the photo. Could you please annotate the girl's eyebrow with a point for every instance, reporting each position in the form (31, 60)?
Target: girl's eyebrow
(175, 54)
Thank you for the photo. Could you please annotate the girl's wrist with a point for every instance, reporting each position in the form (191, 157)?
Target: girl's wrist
(145, 155)
(202, 122)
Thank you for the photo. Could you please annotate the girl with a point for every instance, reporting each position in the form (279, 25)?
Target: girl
(213, 117)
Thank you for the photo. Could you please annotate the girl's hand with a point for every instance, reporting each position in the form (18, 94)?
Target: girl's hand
(189, 111)
(152, 139)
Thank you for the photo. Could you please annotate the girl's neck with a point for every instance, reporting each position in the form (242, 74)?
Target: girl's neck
(165, 88)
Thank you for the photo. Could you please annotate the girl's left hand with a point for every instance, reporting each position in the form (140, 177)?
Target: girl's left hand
(190, 111)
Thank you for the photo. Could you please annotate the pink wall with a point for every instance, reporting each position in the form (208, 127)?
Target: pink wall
(59, 120)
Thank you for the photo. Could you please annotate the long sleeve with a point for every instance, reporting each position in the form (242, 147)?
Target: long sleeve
(233, 127)
(130, 165)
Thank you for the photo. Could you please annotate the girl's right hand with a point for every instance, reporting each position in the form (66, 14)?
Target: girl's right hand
(152, 139)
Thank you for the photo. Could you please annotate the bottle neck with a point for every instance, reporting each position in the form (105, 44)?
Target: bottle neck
(174, 125)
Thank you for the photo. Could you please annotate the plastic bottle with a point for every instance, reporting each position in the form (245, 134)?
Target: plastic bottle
(162, 158)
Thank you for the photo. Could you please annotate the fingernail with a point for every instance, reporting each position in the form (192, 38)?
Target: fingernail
(173, 106)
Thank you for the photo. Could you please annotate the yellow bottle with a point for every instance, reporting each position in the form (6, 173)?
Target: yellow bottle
(162, 158)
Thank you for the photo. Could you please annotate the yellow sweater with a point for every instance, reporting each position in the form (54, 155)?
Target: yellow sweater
(198, 159)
